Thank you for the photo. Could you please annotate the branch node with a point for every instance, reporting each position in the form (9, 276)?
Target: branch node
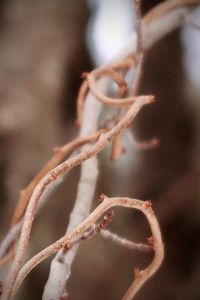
(151, 99)
(148, 204)
(137, 272)
(66, 247)
(57, 149)
(102, 197)
(107, 219)
(150, 241)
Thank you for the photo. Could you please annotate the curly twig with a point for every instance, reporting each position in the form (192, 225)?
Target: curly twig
(77, 233)
(103, 141)
(60, 154)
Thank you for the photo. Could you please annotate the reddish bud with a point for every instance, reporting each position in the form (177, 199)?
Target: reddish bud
(102, 197)
(151, 98)
(53, 175)
(150, 241)
(104, 130)
(107, 219)
(66, 246)
(148, 204)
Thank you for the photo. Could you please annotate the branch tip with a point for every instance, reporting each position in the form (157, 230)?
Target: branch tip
(155, 142)
(107, 219)
(84, 75)
(151, 99)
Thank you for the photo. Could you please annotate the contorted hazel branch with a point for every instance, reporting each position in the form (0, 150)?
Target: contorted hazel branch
(155, 25)
(58, 157)
(77, 233)
(111, 71)
(102, 142)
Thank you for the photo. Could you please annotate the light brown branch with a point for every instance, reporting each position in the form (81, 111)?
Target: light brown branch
(166, 7)
(60, 154)
(118, 102)
(155, 25)
(109, 71)
(144, 275)
(107, 234)
(53, 175)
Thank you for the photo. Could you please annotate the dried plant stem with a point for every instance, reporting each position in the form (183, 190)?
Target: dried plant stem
(152, 32)
(107, 234)
(155, 25)
(53, 175)
(111, 73)
(60, 154)
(144, 275)
(168, 6)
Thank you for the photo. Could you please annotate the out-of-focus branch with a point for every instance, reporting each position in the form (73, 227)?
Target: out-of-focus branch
(189, 20)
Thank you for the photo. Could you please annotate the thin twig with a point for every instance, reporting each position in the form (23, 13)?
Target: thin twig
(107, 234)
(144, 145)
(159, 26)
(163, 8)
(118, 102)
(60, 154)
(143, 276)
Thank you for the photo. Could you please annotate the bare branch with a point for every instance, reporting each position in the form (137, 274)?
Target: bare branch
(107, 234)
(53, 175)
(60, 154)
(155, 25)
(144, 275)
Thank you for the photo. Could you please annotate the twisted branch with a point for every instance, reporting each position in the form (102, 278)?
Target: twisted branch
(76, 234)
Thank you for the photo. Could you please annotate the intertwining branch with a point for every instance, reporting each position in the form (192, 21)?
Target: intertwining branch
(157, 23)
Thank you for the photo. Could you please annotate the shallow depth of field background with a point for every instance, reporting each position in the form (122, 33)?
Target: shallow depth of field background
(42, 55)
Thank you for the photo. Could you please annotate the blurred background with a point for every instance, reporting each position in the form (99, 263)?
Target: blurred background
(44, 48)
